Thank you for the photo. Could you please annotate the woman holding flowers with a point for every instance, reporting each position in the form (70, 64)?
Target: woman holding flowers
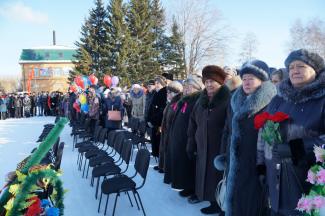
(245, 196)
(286, 161)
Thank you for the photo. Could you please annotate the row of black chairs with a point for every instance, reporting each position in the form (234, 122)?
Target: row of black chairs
(54, 156)
(109, 156)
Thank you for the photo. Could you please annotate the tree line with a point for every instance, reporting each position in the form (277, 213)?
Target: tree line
(128, 40)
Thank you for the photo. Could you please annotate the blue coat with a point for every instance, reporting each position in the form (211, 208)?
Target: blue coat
(306, 109)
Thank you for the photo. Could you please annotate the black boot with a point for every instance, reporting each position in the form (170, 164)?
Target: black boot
(193, 199)
(212, 209)
(186, 193)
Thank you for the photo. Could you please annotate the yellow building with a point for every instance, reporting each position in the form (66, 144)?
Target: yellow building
(47, 68)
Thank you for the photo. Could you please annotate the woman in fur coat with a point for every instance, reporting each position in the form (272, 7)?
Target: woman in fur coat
(245, 196)
(302, 97)
(205, 132)
(182, 168)
(174, 93)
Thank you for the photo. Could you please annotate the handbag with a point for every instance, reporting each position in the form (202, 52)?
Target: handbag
(221, 192)
(114, 115)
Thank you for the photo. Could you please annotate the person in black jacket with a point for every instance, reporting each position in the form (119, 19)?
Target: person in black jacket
(155, 113)
(182, 168)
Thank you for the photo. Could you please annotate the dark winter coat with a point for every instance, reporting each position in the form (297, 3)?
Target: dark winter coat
(245, 196)
(112, 104)
(157, 107)
(306, 109)
(204, 140)
(182, 168)
(164, 153)
(149, 97)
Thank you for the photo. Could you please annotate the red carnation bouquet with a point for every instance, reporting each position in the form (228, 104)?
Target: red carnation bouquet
(271, 127)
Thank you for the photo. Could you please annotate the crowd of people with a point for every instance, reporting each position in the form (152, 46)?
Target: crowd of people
(202, 129)
(20, 105)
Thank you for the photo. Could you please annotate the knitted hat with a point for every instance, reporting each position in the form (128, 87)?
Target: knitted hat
(168, 76)
(175, 87)
(215, 73)
(312, 59)
(194, 80)
(162, 80)
(256, 67)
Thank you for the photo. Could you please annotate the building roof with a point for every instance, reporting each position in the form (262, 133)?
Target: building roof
(48, 54)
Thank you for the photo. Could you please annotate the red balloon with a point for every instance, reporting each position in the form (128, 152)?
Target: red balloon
(107, 80)
(73, 88)
(76, 106)
(79, 82)
(93, 79)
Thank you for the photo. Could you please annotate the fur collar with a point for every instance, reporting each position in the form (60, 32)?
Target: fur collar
(243, 105)
(313, 90)
(219, 97)
(176, 98)
(138, 95)
(192, 97)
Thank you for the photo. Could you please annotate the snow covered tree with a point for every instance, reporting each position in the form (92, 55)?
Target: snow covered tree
(119, 40)
(174, 53)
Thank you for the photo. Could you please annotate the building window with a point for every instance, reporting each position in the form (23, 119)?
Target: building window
(36, 70)
(44, 72)
(60, 55)
(47, 55)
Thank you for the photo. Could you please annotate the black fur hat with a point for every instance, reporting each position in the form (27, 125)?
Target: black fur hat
(312, 59)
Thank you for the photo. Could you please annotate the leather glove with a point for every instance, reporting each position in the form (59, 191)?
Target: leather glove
(297, 150)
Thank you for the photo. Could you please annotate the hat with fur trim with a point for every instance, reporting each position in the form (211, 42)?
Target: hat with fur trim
(256, 67)
(312, 59)
(194, 80)
(215, 73)
(175, 87)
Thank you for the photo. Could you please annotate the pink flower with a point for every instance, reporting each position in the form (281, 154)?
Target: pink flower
(318, 202)
(311, 178)
(319, 154)
(305, 204)
(321, 176)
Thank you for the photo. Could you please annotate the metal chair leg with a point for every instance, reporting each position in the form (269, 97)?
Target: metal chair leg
(97, 187)
(117, 195)
(144, 213)
(100, 200)
(83, 172)
(106, 204)
(129, 198)
(136, 201)
(87, 170)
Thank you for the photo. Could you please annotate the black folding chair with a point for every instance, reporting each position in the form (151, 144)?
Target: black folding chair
(122, 183)
(58, 158)
(113, 167)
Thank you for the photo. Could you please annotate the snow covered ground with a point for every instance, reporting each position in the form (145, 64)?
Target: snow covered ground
(17, 139)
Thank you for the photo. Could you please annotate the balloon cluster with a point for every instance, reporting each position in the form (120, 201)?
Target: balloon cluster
(81, 83)
(111, 81)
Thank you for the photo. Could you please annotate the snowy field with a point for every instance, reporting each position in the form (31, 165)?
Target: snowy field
(17, 139)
